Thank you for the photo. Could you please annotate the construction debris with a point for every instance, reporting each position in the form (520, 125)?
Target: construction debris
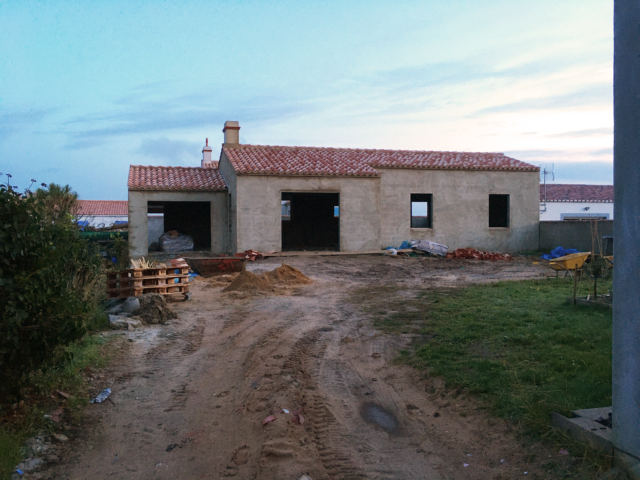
(473, 254)
(250, 255)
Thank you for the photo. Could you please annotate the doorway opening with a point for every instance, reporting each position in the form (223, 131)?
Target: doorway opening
(189, 218)
(310, 221)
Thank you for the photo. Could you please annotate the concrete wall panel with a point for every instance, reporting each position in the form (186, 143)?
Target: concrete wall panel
(259, 215)
(138, 217)
(461, 208)
(573, 234)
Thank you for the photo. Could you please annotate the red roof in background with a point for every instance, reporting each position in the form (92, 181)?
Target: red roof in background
(175, 178)
(103, 208)
(276, 160)
(564, 192)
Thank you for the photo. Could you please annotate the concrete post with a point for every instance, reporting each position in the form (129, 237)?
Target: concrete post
(626, 279)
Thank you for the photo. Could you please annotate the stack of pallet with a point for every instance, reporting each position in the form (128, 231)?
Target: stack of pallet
(136, 281)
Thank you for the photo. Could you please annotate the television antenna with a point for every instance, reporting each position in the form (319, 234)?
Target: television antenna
(545, 172)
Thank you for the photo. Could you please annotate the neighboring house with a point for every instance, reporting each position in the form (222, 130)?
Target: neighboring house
(274, 198)
(102, 213)
(576, 202)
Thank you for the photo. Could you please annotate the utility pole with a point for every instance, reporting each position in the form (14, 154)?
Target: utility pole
(626, 234)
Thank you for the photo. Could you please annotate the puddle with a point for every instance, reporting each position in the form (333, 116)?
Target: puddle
(380, 416)
(326, 329)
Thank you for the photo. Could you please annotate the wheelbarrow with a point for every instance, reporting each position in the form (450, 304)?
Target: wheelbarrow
(569, 263)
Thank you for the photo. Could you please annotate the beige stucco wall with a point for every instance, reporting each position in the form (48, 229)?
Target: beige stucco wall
(138, 215)
(230, 178)
(460, 208)
(259, 222)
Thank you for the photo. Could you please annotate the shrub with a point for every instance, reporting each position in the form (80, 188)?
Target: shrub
(49, 281)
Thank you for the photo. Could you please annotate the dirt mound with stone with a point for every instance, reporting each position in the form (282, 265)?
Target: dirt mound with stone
(247, 282)
(287, 275)
(153, 309)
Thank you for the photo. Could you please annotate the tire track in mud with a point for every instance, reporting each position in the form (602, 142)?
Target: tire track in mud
(322, 426)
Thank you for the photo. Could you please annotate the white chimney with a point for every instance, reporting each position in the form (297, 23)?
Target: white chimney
(206, 154)
(231, 133)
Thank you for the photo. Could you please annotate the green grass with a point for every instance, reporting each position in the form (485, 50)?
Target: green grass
(64, 372)
(517, 346)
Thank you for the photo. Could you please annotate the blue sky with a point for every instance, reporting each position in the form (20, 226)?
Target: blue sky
(89, 87)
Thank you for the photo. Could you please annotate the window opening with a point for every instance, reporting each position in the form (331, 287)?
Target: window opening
(421, 210)
(499, 211)
(285, 206)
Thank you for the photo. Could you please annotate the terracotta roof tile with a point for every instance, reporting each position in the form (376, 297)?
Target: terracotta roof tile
(277, 160)
(175, 178)
(563, 192)
(103, 208)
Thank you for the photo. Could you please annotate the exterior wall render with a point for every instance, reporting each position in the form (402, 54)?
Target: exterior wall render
(138, 217)
(231, 178)
(555, 210)
(259, 222)
(461, 208)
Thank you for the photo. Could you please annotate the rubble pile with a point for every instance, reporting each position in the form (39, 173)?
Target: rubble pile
(473, 254)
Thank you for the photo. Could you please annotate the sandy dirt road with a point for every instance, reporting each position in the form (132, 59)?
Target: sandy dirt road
(189, 398)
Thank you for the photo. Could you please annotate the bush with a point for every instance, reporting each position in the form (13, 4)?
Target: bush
(49, 281)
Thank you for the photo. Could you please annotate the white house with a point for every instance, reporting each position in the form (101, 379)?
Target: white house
(568, 202)
(103, 213)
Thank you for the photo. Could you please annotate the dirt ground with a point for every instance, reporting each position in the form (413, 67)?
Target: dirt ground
(190, 397)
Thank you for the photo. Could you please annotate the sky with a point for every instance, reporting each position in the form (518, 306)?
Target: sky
(88, 87)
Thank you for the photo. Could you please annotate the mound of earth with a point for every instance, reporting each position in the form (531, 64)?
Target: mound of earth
(222, 280)
(247, 281)
(153, 309)
(288, 275)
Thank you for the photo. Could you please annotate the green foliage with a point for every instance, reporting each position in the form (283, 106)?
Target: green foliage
(49, 281)
(119, 249)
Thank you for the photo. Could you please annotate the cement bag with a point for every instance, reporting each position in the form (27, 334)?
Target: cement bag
(177, 243)
(430, 247)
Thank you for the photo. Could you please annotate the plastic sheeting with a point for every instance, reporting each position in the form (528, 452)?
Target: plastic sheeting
(430, 247)
(178, 243)
(559, 252)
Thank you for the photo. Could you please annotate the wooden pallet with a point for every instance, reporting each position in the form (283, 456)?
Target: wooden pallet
(138, 281)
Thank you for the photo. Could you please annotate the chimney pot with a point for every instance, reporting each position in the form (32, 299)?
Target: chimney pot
(231, 132)
(206, 153)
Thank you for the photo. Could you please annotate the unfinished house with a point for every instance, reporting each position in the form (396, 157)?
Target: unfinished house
(275, 198)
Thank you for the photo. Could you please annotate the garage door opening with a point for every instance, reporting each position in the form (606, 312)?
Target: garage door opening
(310, 221)
(189, 218)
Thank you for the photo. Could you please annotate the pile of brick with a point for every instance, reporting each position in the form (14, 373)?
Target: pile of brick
(473, 254)
(250, 255)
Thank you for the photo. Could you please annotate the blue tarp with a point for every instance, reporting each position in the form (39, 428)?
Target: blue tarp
(559, 252)
(404, 245)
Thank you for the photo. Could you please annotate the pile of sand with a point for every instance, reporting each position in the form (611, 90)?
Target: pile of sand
(222, 280)
(247, 281)
(285, 275)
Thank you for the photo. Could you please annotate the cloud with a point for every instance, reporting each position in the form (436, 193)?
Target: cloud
(595, 94)
(592, 132)
(180, 113)
(574, 163)
(16, 121)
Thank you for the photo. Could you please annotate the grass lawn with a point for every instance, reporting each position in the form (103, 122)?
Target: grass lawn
(518, 346)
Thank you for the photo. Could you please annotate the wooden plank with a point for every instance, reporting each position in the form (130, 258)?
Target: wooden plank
(326, 254)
